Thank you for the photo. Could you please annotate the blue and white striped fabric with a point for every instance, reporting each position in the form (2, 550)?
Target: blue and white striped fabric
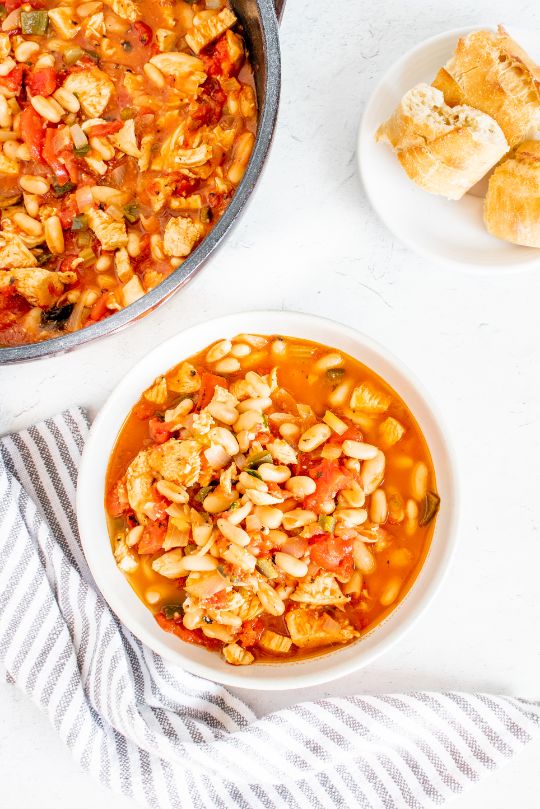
(175, 741)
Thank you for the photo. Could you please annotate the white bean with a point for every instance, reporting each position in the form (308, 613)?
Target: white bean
(215, 503)
(174, 493)
(29, 225)
(34, 184)
(233, 532)
(364, 560)
(259, 404)
(351, 517)
(378, 507)
(25, 50)
(200, 563)
(229, 365)
(390, 592)
(250, 420)
(268, 516)
(372, 473)
(54, 235)
(224, 437)
(289, 564)
(134, 535)
(239, 514)
(289, 432)
(328, 361)
(273, 473)
(300, 486)
(298, 518)
(47, 108)
(360, 450)
(240, 350)
(313, 437)
(419, 480)
(218, 351)
(223, 412)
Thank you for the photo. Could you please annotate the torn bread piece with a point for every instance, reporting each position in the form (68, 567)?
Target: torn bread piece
(512, 204)
(491, 72)
(445, 150)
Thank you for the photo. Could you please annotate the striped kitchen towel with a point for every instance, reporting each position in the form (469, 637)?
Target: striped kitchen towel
(172, 740)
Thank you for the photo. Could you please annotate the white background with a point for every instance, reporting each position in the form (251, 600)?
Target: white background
(310, 242)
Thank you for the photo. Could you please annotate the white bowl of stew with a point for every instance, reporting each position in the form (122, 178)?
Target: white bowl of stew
(278, 546)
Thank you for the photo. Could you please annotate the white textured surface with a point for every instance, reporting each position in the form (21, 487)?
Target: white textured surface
(310, 242)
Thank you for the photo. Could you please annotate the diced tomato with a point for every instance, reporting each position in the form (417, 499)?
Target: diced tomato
(33, 133)
(208, 109)
(159, 431)
(218, 62)
(330, 552)
(208, 385)
(71, 164)
(251, 632)
(152, 537)
(194, 636)
(330, 478)
(108, 128)
(185, 185)
(116, 500)
(42, 82)
(143, 32)
(11, 5)
(13, 80)
(98, 310)
(50, 156)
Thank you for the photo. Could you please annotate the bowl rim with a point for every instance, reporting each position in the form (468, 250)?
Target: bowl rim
(278, 676)
(364, 139)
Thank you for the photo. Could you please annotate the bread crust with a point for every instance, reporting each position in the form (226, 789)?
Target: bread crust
(512, 203)
(491, 72)
(443, 150)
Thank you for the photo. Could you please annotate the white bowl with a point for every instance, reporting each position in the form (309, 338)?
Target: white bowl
(452, 232)
(138, 618)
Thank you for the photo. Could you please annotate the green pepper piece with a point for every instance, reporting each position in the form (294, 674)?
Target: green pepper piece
(131, 212)
(80, 222)
(82, 150)
(34, 22)
(432, 501)
(254, 461)
(266, 567)
(172, 611)
(73, 54)
(253, 473)
(62, 190)
(327, 523)
(87, 255)
(206, 215)
(203, 491)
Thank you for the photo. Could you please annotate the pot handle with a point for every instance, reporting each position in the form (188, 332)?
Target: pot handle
(279, 5)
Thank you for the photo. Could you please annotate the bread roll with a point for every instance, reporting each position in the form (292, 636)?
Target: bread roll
(491, 72)
(512, 204)
(443, 150)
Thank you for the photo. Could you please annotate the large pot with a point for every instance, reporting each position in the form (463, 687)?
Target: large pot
(260, 21)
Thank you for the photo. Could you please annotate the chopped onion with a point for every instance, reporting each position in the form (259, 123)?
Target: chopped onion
(84, 198)
(61, 139)
(13, 20)
(213, 3)
(78, 137)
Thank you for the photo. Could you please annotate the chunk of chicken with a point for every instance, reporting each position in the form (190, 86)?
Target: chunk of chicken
(40, 287)
(139, 484)
(186, 380)
(14, 253)
(369, 399)
(236, 655)
(180, 236)
(177, 461)
(126, 9)
(311, 628)
(187, 71)
(111, 234)
(201, 35)
(323, 590)
(64, 21)
(93, 88)
(125, 139)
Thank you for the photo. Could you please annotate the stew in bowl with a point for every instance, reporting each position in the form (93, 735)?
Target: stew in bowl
(270, 498)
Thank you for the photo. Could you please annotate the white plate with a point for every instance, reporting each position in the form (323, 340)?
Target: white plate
(451, 232)
(138, 618)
